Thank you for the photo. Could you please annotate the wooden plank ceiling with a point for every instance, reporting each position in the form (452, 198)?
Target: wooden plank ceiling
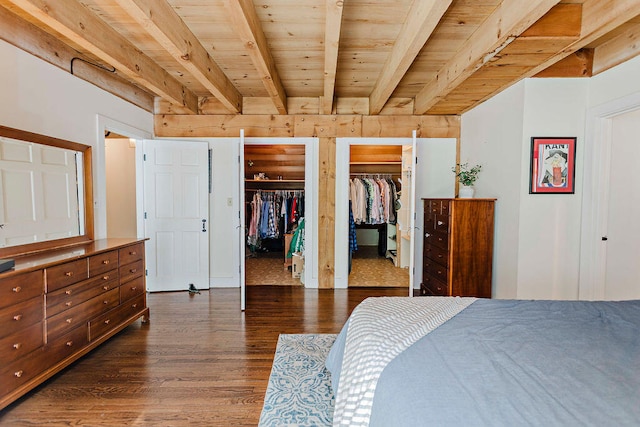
(368, 57)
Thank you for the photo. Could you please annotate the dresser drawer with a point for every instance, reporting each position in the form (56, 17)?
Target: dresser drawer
(20, 288)
(435, 238)
(437, 254)
(16, 318)
(435, 286)
(103, 324)
(437, 206)
(15, 374)
(131, 253)
(441, 224)
(21, 343)
(67, 344)
(436, 270)
(67, 320)
(25, 368)
(103, 262)
(132, 288)
(66, 274)
(65, 298)
(131, 271)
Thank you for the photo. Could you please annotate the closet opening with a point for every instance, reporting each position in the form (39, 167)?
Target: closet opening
(376, 187)
(274, 214)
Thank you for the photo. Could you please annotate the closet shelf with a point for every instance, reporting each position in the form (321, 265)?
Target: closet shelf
(273, 181)
(375, 163)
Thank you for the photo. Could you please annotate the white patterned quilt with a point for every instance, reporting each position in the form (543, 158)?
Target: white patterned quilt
(380, 329)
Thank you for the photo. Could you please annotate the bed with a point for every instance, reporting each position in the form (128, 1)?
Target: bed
(491, 363)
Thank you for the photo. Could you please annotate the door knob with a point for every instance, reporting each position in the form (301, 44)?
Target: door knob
(204, 227)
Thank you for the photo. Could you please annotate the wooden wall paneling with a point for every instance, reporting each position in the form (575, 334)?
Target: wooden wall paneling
(326, 212)
(402, 126)
(328, 126)
(287, 161)
(216, 126)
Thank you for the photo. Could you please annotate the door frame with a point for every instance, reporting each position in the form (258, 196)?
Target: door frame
(103, 125)
(311, 154)
(595, 197)
(343, 154)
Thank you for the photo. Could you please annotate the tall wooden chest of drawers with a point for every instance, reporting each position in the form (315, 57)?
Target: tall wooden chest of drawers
(458, 247)
(57, 305)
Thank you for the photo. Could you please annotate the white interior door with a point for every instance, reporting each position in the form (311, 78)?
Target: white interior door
(241, 225)
(412, 230)
(176, 190)
(622, 246)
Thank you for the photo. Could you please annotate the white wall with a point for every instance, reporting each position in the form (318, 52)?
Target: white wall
(41, 98)
(491, 135)
(537, 246)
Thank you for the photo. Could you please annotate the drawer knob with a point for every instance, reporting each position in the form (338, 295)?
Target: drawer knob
(69, 320)
(18, 374)
(439, 255)
(427, 235)
(69, 343)
(132, 253)
(68, 303)
(105, 277)
(105, 262)
(105, 301)
(106, 322)
(68, 292)
(134, 305)
(133, 270)
(133, 288)
(17, 317)
(17, 346)
(17, 289)
(69, 273)
(440, 222)
(106, 288)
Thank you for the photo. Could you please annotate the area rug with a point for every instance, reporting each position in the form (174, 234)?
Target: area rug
(299, 391)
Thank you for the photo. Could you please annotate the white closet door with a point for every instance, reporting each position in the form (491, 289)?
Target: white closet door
(241, 225)
(177, 213)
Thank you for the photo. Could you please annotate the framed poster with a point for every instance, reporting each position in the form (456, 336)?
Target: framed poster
(553, 165)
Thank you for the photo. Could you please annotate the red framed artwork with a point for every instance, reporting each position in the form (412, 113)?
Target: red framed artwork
(553, 165)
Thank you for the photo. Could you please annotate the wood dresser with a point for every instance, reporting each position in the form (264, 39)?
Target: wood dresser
(458, 247)
(57, 305)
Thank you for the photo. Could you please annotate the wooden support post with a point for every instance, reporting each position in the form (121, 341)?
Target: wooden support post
(326, 213)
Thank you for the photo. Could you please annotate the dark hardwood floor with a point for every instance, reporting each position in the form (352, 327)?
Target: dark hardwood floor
(199, 361)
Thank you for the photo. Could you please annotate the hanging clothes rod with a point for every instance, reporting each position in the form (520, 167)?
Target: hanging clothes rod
(255, 190)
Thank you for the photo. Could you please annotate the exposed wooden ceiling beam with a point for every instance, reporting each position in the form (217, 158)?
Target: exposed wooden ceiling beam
(617, 50)
(332, 26)
(509, 20)
(557, 29)
(31, 39)
(598, 18)
(81, 26)
(248, 28)
(422, 19)
(578, 64)
(162, 22)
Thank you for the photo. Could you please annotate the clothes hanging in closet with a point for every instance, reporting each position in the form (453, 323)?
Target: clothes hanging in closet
(273, 214)
(373, 200)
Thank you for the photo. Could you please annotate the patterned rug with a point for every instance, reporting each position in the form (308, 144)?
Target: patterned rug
(299, 391)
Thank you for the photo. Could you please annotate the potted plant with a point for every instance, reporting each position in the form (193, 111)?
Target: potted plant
(467, 177)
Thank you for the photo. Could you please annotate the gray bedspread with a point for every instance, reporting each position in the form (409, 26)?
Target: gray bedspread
(516, 363)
